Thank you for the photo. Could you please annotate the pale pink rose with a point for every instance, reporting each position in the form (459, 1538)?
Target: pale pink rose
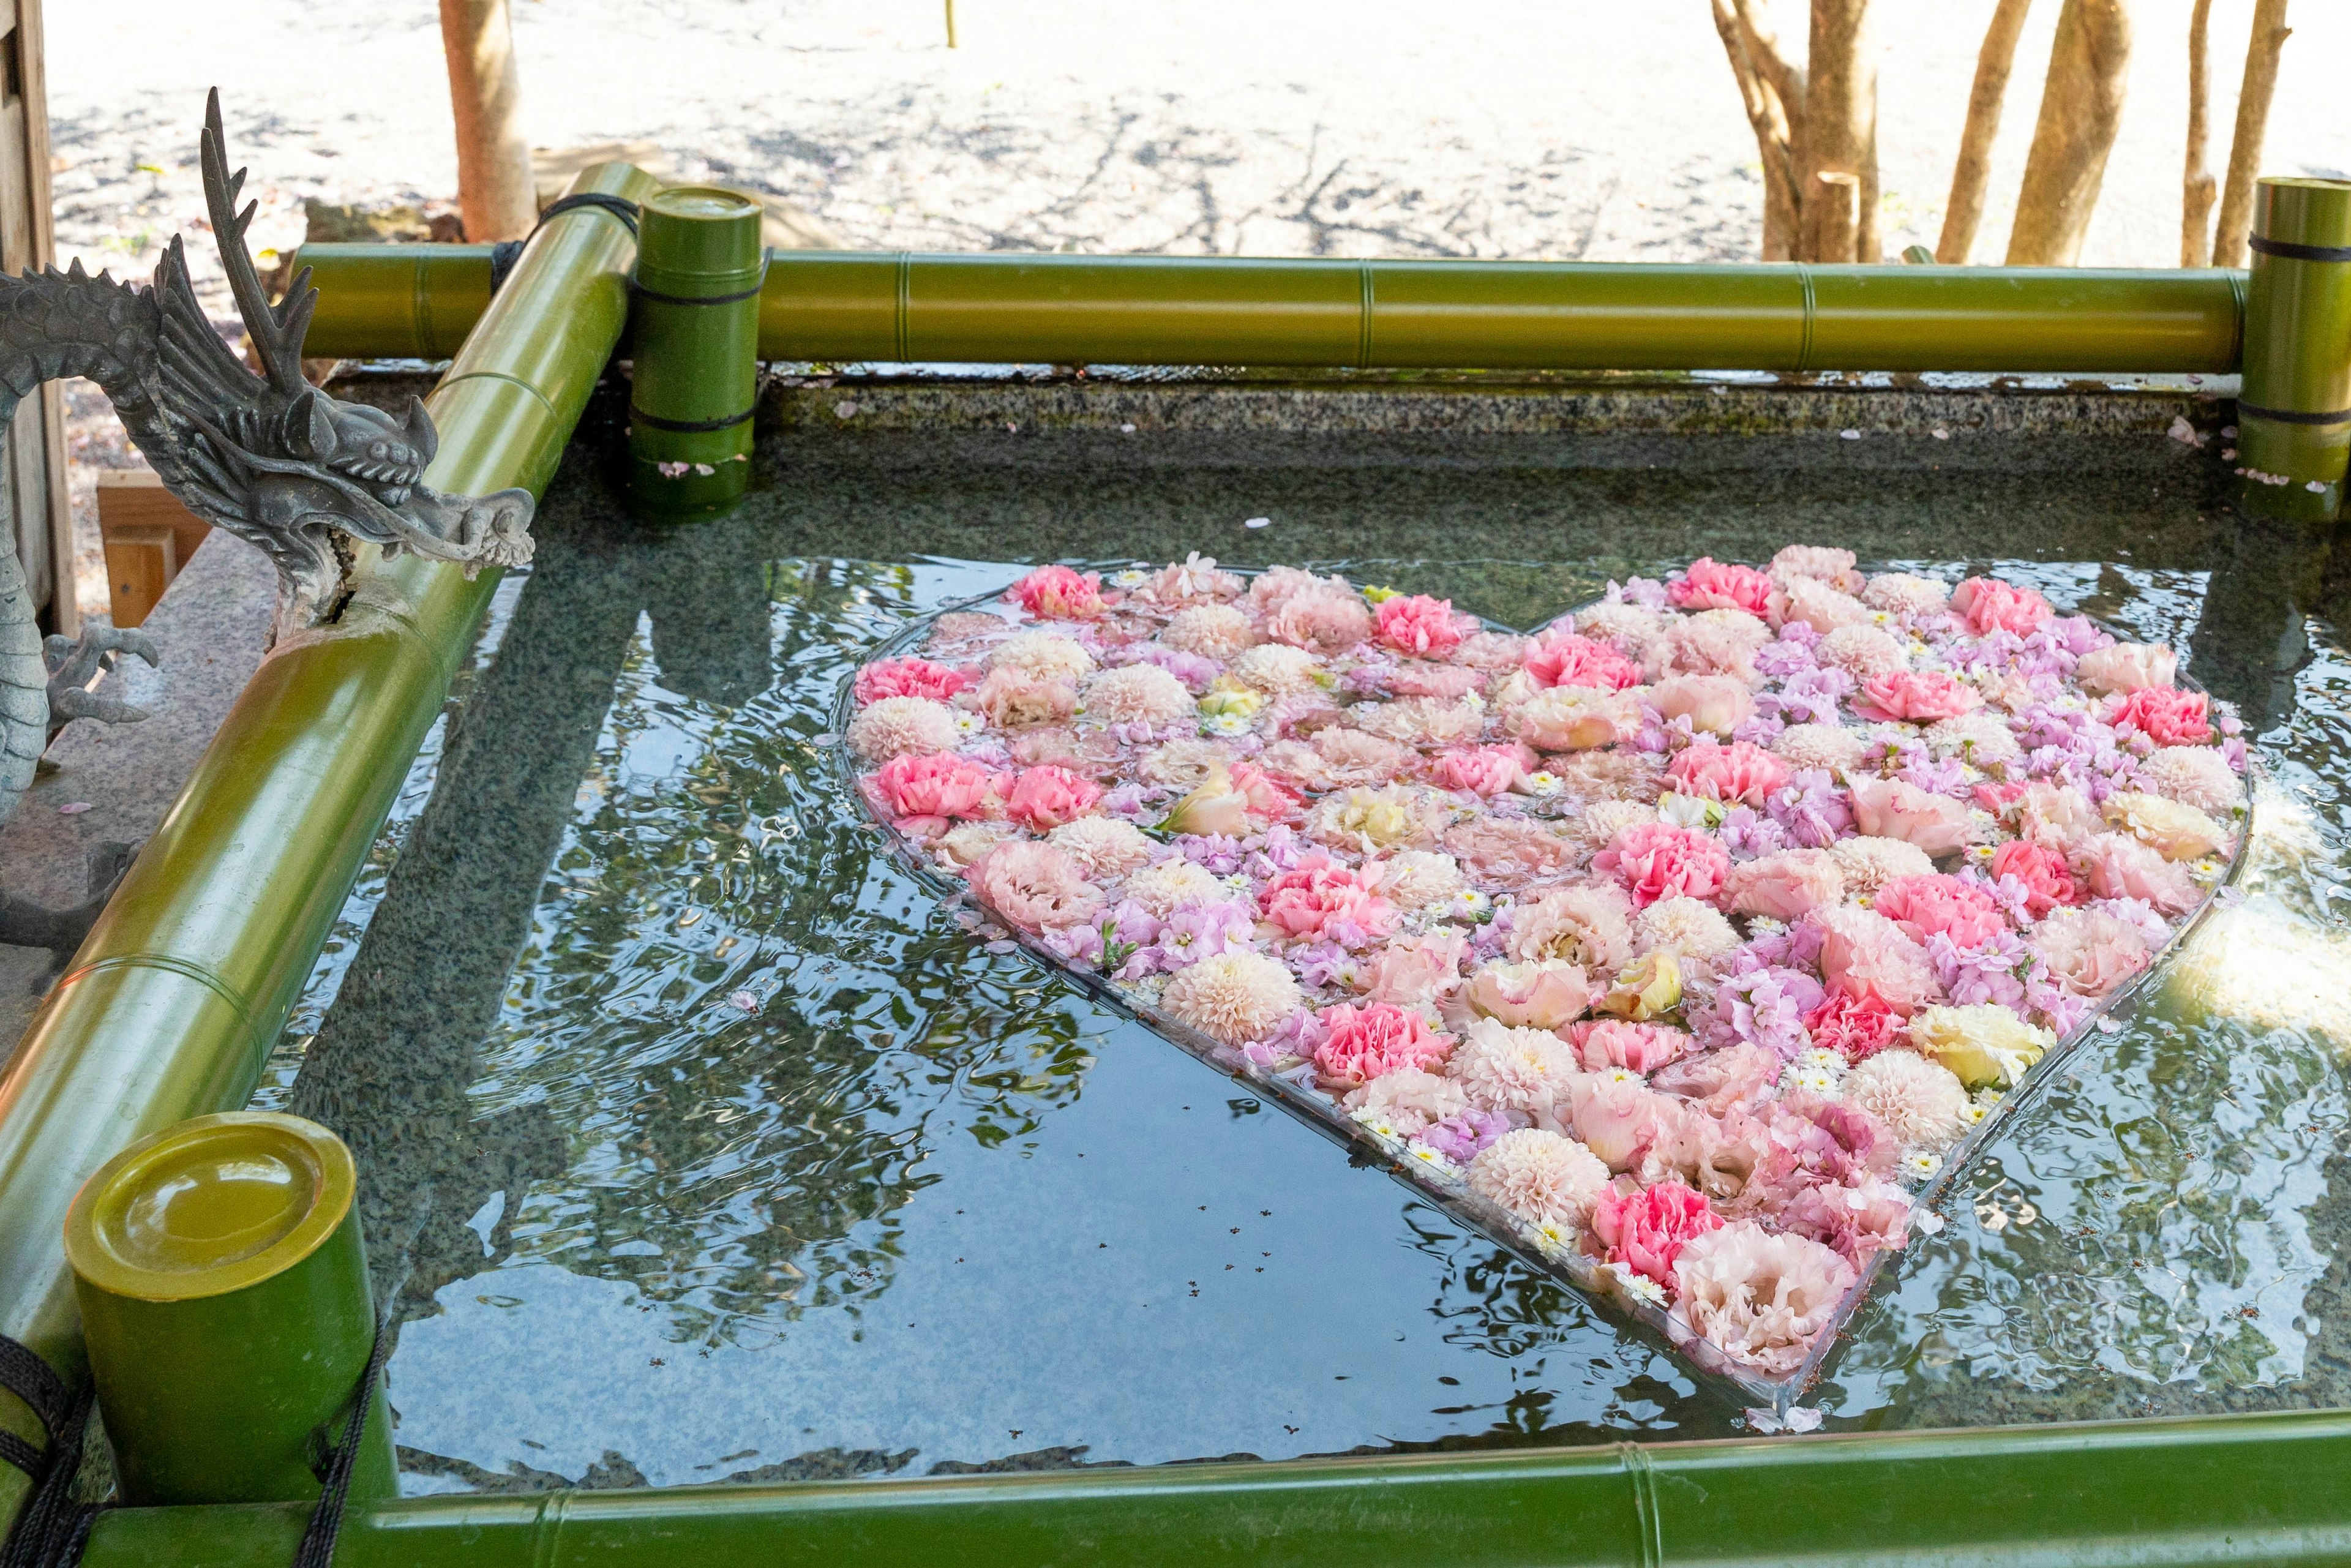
(2164, 714)
(2126, 667)
(921, 795)
(1891, 808)
(1640, 1048)
(1656, 859)
(1568, 660)
(1011, 697)
(1483, 770)
(1816, 604)
(908, 677)
(1617, 1116)
(1925, 906)
(1360, 1044)
(1547, 993)
(1323, 621)
(1215, 808)
(1711, 584)
(2118, 866)
(1321, 900)
(2089, 952)
(1264, 799)
(1415, 971)
(1577, 718)
(1423, 627)
(1450, 682)
(1786, 887)
(1991, 605)
(1059, 594)
(1721, 1082)
(1716, 704)
(1042, 798)
(1919, 696)
(1034, 887)
(1862, 951)
(1645, 1230)
(1738, 774)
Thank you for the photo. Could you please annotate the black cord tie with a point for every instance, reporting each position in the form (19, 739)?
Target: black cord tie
(317, 1548)
(506, 252)
(53, 1529)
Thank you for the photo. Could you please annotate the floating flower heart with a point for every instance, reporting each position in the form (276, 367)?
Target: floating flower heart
(1686, 947)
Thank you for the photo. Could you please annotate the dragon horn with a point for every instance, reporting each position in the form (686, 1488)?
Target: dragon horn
(277, 332)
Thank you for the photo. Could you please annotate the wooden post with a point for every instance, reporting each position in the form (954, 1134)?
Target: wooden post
(41, 521)
(2196, 188)
(1840, 135)
(494, 183)
(2269, 36)
(2081, 105)
(1972, 170)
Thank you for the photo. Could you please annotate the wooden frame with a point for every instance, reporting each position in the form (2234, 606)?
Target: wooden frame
(33, 453)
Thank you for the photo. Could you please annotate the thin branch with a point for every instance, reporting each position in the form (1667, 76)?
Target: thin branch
(1766, 114)
(2197, 189)
(2269, 34)
(1971, 171)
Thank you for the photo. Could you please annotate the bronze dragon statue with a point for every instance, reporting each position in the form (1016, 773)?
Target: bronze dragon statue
(267, 456)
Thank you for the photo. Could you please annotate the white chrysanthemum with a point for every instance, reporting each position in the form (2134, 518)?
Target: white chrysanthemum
(1212, 630)
(1420, 879)
(1901, 593)
(1184, 764)
(1862, 652)
(1923, 1103)
(1982, 738)
(1831, 745)
(1160, 888)
(2196, 776)
(1233, 998)
(1505, 1069)
(1045, 655)
(1104, 846)
(1869, 863)
(1541, 1177)
(1825, 562)
(903, 726)
(1684, 926)
(1277, 668)
(1630, 625)
(1603, 820)
(1139, 694)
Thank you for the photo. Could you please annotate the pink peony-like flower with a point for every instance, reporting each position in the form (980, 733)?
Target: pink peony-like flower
(1710, 642)
(1547, 993)
(1918, 696)
(1891, 808)
(1716, 704)
(1862, 951)
(1737, 1077)
(1759, 1298)
(1568, 660)
(1416, 624)
(1193, 579)
(1415, 971)
(1323, 900)
(1617, 1116)
(1541, 1177)
(1321, 620)
(1925, 906)
(1991, 605)
(1577, 718)
(1711, 584)
(2118, 866)
(2048, 882)
(1738, 774)
(1856, 1028)
(1646, 1231)
(1042, 798)
(1033, 885)
(2165, 715)
(2126, 667)
(1013, 698)
(1059, 594)
(2089, 952)
(1360, 1044)
(908, 677)
(921, 795)
(1815, 604)
(1482, 770)
(1640, 1048)
(1656, 859)
(1786, 887)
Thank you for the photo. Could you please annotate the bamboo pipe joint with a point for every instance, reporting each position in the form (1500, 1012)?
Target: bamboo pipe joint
(2294, 408)
(696, 350)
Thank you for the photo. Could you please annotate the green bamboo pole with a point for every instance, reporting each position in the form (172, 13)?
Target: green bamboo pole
(694, 348)
(2219, 1490)
(844, 306)
(171, 1005)
(2293, 411)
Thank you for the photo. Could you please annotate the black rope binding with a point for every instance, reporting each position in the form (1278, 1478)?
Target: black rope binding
(506, 252)
(317, 1548)
(53, 1528)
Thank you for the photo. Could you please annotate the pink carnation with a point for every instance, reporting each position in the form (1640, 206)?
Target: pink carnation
(2048, 882)
(1991, 605)
(1920, 696)
(1640, 1048)
(1419, 625)
(1713, 703)
(1033, 885)
(1360, 1044)
(1574, 661)
(921, 795)
(1656, 859)
(1059, 594)
(1042, 798)
(1484, 771)
(908, 677)
(1646, 1231)
(1925, 906)
(1738, 774)
(2165, 715)
(1891, 808)
(1321, 900)
(1712, 585)
(1855, 1027)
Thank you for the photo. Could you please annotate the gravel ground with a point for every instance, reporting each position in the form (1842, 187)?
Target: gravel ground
(1599, 131)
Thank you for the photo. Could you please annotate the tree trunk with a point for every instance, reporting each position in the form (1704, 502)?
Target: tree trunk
(1839, 168)
(1767, 113)
(2196, 182)
(2081, 106)
(494, 185)
(1971, 171)
(2269, 36)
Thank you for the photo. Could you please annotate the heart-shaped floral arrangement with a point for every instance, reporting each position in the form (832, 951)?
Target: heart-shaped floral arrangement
(1687, 947)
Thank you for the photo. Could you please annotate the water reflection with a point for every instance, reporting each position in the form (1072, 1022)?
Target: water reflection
(698, 1143)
